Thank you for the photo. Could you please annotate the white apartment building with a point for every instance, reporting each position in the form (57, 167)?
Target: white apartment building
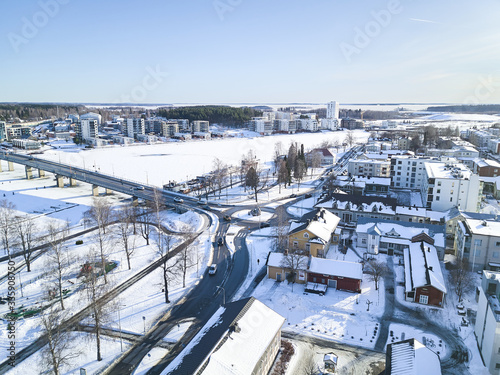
(135, 126)
(450, 185)
(369, 167)
(308, 124)
(92, 116)
(200, 126)
(330, 123)
(487, 328)
(407, 172)
(332, 110)
(281, 125)
(169, 128)
(479, 242)
(89, 128)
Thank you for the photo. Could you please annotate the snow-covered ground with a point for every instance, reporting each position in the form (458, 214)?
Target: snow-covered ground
(185, 160)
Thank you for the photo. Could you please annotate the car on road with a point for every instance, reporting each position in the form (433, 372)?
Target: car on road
(178, 200)
(293, 196)
(308, 195)
(206, 207)
(212, 269)
(137, 188)
(265, 225)
(202, 201)
(227, 218)
(220, 241)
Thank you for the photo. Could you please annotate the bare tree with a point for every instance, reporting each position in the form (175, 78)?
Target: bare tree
(315, 160)
(376, 270)
(95, 289)
(186, 257)
(100, 214)
(220, 174)
(124, 230)
(57, 256)
(349, 138)
(461, 278)
(59, 350)
(169, 266)
(145, 218)
(310, 366)
(277, 156)
(252, 181)
(282, 174)
(280, 230)
(299, 171)
(6, 218)
(27, 231)
(336, 144)
(208, 185)
(294, 260)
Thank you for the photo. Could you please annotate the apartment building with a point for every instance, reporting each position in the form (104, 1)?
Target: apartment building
(87, 129)
(486, 167)
(407, 172)
(135, 126)
(487, 328)
(450, 185)
(479, 242)
(369, 168)
(3, 130)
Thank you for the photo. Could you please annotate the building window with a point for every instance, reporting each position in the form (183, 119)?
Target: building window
(295, 244)
(306, 235)
(438, 191)
(477, 253)
(478, 242)
(497, 366)
(437, 198)
(497, 243)
(451, 199)
(439, 183)
(495, 254)
(424, 299)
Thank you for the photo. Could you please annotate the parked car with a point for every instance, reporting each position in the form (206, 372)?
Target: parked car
(212, 269)
(227, 217)
(308, 195)
(293, 196)
(178, 200)
(220, 241)
(265, 225)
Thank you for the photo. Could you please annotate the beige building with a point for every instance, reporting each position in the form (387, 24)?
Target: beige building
(314, 233)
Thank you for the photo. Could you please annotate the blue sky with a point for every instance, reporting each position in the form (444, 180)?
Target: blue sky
(250, 51)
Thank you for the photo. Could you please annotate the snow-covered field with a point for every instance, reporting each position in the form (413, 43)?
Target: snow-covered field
(158, 164)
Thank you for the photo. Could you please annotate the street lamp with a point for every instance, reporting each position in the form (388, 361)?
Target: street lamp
(223, 294)
(120, 327)
(144, 320)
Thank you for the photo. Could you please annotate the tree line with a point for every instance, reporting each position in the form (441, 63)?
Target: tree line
(225, 115)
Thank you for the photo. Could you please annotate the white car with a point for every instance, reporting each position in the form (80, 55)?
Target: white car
(212, 269)
(178, 200)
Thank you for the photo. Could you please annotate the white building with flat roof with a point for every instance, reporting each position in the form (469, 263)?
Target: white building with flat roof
(332, 110)
(451, 185)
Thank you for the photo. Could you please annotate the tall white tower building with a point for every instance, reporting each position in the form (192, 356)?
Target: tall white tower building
(332, 110)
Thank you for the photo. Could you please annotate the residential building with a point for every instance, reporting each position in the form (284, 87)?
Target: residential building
(242, 337)
(3, 130)
(26, 144)
(18, 131)
(480, 138)
(451, 185)
(330, 123)
(332, 110)
(369, 167)
(87, 128)
(281, 125)
(404, 143)
(411, 357)
(424, 281)
(308, 124)
(487, 328)
(408, 172)
(351, 124)
(200, 126)
(479, 242)
(154, 125)
(336, 274)
(350, 208)
(327, 158)
(314, 233)
(392, 237)
(135, 126)
(486, 167)
(169, 128)
(92, 116)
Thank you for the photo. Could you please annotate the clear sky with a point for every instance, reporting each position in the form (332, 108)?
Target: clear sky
(250, 51)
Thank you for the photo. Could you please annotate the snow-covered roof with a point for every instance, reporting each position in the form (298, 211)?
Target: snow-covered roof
(336, 268)
(386, 181)
(321, 223)
(233, 340)
(441, 170)
(422, 267)
(404, 229)
(492, 228)
(410, 357)
(277, 260)
(242, 352)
